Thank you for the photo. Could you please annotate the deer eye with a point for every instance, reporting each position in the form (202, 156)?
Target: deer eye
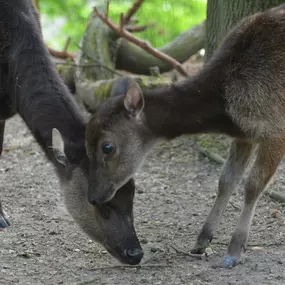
(107, 148)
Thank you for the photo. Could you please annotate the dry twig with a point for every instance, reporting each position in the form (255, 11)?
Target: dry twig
(61, 54)
(137, 29)
(179, 251)
(142, 44)
(66, 44)
(212, 156)
(142, 266)
(132, 11)
(235, 206)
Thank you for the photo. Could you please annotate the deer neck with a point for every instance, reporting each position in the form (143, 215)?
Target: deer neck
(196, 105)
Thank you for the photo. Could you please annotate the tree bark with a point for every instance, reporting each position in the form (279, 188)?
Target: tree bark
(136, 60)
(98, 51)
(93, 77)
(95, 84)
(66, 72)
(98, 48)
(222, 15)
(37, 4)
(93, 94)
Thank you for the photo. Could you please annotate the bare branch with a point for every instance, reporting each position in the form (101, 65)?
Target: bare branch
(61, 54)
(212, 156)
(107, 9)
(66, 44)
(133, 21)
(143, 44)
(132, 11)
(137, 29)
(121, 23)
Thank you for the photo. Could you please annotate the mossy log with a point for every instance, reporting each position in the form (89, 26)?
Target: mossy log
(95, 63)
(95, 93)
(136, 60)
(275, 195)
(66, 72)
(101, 53)
(98, 51)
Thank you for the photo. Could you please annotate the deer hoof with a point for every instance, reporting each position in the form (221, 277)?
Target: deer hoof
(4, 221)
(197, 251)
(229, 261)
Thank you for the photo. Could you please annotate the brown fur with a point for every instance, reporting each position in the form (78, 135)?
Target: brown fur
(239, 92)
(31, 87)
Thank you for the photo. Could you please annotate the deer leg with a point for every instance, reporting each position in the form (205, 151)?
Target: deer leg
(4, 221)
(2, 129)
(268, 159)
(239, 157)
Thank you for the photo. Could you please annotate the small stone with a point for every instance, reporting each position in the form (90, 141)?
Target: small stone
(25, 255)
(258, 248)
(153, 249)
(275, 213)
(209, 251)
(144, 241)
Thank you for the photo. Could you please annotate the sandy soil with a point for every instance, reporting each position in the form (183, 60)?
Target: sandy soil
(176, 188)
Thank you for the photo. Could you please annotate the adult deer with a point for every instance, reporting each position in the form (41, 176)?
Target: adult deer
(31, 87)
(239, 92)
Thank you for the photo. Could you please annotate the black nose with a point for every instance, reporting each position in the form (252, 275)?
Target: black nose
(92, 201)
(135, 255)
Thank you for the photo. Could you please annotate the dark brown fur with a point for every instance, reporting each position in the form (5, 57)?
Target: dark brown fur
(31, 87)
(239, 92)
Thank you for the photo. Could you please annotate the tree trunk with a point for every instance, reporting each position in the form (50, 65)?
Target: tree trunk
(93, 94)
(37, 4)
(97, 81)
(98, 48)
(96, 62)
(222, 15)
(136, 60)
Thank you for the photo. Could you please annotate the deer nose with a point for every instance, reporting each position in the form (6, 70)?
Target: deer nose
(135, 255)
(92, 201)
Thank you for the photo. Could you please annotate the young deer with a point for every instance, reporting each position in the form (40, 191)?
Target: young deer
(239, 92)
(31, 87)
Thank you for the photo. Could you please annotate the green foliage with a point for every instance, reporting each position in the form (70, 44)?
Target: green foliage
(171, 17)
(73, 12)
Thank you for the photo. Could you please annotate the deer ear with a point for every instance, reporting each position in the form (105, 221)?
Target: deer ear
(133, 100)
(58, 147)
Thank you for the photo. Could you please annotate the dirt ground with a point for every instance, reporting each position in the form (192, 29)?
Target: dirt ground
(176, 188)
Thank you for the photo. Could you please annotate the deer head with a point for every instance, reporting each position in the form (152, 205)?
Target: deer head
(111, 224)
(117, 142)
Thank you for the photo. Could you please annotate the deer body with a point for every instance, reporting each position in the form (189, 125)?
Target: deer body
(239, 92)
(31, 87)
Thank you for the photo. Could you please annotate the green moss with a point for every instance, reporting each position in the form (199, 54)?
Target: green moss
(152, 81)
(96, 43)
(102, 88)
